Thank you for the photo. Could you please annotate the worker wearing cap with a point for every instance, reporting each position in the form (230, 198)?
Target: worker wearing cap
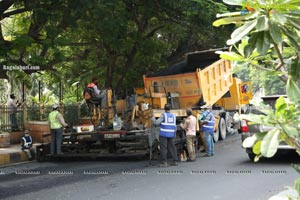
(167, 133)
(56, 122)
(189, 125)
(26, 145)
(207, 126)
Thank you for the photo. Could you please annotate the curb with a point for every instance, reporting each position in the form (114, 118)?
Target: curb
(12, 157)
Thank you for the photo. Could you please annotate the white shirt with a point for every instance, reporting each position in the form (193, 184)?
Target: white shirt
(189, 125)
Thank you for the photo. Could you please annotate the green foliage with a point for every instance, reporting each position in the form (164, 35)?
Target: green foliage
(270, 143)
(270, 30)
(297, 186)
(293, 90)
(117, 41)
(297, 182)
(47, 99)
(266, 39)
(284, 124)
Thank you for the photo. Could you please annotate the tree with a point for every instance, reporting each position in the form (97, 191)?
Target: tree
(263, 82)
(267, 38)
(119, 40)
(272, 29)
(29, 31)
(132, 38)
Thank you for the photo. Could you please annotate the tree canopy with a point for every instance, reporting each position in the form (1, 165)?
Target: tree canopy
(268, 35)
(115, 40)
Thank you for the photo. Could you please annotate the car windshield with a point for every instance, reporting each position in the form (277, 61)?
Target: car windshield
(254, 110)
(268, 104)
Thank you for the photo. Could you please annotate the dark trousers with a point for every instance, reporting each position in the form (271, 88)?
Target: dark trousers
(56, 140)
(167, 145)
(13, 121)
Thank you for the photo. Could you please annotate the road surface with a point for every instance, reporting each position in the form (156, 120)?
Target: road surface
(227, 175)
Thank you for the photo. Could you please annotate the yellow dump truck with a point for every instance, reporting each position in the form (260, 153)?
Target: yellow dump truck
(201, 78)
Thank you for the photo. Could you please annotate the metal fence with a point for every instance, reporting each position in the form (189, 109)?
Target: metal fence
(5, 122)
(71, 113)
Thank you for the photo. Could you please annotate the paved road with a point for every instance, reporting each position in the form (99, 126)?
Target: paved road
(227, 175)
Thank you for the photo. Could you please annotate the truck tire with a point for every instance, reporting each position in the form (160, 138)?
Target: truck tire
(222, 128)
(228, 123)
(251, 156)
(216, 135)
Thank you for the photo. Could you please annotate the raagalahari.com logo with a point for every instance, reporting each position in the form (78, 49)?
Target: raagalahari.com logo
(20, 67)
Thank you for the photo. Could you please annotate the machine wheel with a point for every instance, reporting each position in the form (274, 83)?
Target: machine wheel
(155, 155)
(216, 136)
(42, 151)
(222, 128)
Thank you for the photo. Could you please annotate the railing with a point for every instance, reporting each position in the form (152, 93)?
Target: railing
(5, 118)
(71, 113)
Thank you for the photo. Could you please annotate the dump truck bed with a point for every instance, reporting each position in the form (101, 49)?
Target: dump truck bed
(206, 83)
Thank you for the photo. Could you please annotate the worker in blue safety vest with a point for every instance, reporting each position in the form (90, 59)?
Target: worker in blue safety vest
(207, 126)
(167, 133)
(26, 145)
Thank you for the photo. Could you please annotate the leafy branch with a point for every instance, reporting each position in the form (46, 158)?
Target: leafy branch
(268, 33)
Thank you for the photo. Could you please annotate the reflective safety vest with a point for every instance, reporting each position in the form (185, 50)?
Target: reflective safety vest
(27, 141)
(168, 126)
(203, 115)
(54, 123)
(210, 123)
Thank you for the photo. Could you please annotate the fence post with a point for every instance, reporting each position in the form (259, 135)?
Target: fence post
(25, 110)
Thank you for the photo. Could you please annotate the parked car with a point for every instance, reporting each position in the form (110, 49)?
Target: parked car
(248, 130)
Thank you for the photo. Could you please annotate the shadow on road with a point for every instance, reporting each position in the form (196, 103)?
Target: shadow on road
(282, 158)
